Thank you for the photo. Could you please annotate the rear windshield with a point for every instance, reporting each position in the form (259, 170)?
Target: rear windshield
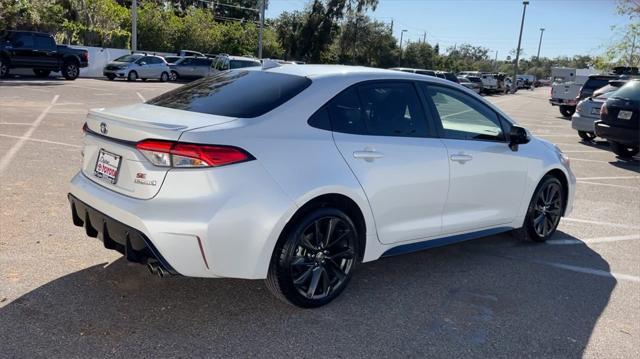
(237, 64)
(596, 83)
(630, 91)
(235, 93)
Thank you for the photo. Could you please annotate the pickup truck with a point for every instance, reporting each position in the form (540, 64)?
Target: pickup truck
(38, 51)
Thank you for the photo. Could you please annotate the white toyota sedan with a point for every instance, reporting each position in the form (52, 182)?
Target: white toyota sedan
(298, 173)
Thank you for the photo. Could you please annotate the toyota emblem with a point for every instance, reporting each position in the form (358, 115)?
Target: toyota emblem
(103, 128)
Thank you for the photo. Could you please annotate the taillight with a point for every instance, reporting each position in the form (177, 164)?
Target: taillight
(603, 111)
(85, 128)
(189, 155)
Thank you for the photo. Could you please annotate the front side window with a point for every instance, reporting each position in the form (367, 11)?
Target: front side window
(463, 117)
(44, 43)
(234, 93)
(127, 58)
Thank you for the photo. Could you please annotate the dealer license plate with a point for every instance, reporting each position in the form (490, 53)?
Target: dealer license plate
(107, 166)
(625, 115)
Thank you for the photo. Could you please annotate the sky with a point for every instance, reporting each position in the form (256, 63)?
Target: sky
(572, 27)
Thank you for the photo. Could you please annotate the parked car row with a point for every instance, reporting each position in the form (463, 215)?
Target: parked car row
(172, 68)
(477, 81)
(612, 113)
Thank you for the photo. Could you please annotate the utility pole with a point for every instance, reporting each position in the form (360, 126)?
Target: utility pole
(400, 57)
(134, 25)
(514, 82)
(424, 38)
(540, 44)
(495, 62)
(262, 6)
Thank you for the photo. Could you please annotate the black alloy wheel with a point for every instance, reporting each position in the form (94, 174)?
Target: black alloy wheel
(567, 111)
(314, 263)
(70, 71)
(545, 209)
(4, 69)
(622, 150)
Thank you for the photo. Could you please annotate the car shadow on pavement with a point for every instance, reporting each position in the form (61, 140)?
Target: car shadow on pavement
(493, 297)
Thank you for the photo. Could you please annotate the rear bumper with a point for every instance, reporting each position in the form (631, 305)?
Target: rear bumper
(582, 123)
(627, 136)
(218, 222)
(116, 235)
(562, 102)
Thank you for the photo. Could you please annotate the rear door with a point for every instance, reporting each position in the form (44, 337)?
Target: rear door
(487, 177)
(381, 130)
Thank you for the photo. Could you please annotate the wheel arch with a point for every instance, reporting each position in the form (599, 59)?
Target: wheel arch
(71, 58)
(338, 201)
(562, 177)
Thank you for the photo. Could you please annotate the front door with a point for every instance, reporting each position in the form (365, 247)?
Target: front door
(487, 177)
(381, 130)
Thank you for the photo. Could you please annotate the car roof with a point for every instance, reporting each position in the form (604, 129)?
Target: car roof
(323, 71)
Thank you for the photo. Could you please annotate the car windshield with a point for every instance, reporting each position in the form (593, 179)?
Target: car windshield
(235, 93)
(630, 91)
(128, 58)
(463, 79)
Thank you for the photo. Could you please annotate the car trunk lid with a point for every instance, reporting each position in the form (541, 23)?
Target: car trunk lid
(110, 156)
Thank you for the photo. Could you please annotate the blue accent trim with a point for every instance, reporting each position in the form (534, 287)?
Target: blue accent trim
(439, 242)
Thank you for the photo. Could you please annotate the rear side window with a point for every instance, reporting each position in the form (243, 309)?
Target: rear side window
(23, 41)
(392, 109)
(346, 113)
(243, 94)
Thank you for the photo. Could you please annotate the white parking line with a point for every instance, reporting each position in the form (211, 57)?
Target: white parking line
(598, 272)
(630, 237)
(609, 185)
(15, 123)
(617, 225)
(6, 159)
(583, 151)
(141, 97)
(606, 178)
(40, 140)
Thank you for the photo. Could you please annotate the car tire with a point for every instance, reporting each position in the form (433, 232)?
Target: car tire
(314, 259)
(143, 79)
(111, 77)
(567, 111)
(173, 76)
(587, 136)
(623, 151)
(164, 77)
(132, 76)
(4, 69)
(70, 70)
(545, 210)
(41, 73)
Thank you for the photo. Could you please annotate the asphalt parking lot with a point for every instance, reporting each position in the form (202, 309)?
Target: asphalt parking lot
(63, 295)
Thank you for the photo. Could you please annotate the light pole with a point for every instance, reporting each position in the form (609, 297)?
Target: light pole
(262, 7)
(514, 82)
(134, 25)
(400, 58)
(540, 44)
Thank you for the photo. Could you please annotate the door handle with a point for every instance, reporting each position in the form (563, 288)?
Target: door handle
(461, 158)
(367, 155)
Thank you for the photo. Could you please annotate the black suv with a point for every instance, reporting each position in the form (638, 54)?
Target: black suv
(38, 51)
(593, 83)
(620, 120)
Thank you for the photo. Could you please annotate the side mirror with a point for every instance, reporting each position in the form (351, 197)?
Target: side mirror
(517, 136)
